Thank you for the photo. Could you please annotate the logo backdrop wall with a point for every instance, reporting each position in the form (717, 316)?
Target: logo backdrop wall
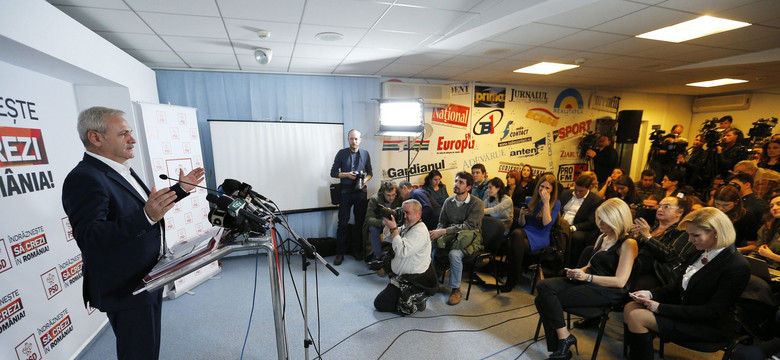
(42, 315)
(502, 127)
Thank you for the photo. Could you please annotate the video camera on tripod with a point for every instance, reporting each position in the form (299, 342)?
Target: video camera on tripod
(589, 142)
(710, 131)
(761, 131)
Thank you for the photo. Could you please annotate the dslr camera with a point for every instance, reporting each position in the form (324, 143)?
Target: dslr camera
(386, 212)
(383, 262)
(360, 176)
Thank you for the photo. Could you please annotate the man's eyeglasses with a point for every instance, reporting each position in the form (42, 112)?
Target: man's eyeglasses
(667, 206)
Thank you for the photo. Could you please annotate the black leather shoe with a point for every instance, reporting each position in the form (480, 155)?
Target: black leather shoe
(339, 259)
(587, 323)
(563, 351)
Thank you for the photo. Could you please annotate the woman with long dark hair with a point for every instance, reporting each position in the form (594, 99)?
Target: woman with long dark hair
(623, 189)
(498, 204)
(729, 200)
(770, 156)
(536, 220)
(768, 246)
(435, 187)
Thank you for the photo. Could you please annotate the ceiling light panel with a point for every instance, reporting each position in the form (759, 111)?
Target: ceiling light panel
(545, 68)
(692, 29)
(718, 82)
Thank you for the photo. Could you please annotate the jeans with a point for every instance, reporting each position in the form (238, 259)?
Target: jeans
(376, 240)
(456, 268)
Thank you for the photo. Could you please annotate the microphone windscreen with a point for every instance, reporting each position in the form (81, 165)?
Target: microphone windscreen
(229, 186)
(212, 198)
(163, 176)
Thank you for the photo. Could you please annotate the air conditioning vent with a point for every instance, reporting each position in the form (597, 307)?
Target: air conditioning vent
(432, 94)
(722, 103)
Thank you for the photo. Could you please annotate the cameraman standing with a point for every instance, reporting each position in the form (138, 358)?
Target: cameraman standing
(731, 151)
(604, 157)
(353, 166)
(412, 278)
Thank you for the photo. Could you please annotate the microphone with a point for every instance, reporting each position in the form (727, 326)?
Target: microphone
(218, 216)
(244, 189)
(166, 177)
(230, 213)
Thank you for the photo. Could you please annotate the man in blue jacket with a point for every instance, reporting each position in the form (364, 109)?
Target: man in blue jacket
(118, 225)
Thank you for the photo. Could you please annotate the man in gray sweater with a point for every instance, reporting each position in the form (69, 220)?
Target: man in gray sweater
(458, 231)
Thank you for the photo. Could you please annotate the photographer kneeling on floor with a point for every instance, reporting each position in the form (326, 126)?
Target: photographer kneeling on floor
(412, 278)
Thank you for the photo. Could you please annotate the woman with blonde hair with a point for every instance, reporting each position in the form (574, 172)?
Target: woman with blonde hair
(699, 306)
(602, 281)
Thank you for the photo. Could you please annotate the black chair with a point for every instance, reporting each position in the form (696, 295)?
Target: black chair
(601, 312)
(709, 347)
(493, 240)
(555, 253)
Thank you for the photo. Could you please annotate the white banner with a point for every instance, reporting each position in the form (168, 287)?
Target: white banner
(42, 314)
(172, 142)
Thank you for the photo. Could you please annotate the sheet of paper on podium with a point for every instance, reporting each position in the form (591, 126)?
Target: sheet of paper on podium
(184, 252)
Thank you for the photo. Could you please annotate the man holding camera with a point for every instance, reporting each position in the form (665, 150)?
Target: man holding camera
(458, 233)
(353, 166)
(412, 279)
(604, 157)
(372, 227)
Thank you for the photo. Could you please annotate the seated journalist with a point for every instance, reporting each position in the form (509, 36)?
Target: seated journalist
(412, 278)
(699, 306)
(601, 282)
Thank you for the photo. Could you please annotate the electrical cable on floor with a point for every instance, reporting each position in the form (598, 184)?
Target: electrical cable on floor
(419, 317)
(451, 331)
(527, 346)
(252, 311)
(509, 347)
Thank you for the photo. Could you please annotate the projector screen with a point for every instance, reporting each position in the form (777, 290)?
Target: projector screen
(287, 162)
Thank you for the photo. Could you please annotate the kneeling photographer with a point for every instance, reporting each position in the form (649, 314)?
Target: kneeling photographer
(412, 278)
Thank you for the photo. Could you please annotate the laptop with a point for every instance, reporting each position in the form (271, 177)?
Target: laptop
(760, 268)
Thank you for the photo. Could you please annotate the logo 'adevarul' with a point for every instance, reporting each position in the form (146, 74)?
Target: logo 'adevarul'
(569, 101)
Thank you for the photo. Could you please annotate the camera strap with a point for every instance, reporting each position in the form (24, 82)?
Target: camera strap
(403, 231)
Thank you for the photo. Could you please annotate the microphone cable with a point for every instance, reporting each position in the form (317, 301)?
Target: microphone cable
(252, 310)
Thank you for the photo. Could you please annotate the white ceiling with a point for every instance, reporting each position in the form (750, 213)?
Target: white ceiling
(450, 40)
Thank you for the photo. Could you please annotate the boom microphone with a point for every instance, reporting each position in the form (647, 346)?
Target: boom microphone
(166, 177)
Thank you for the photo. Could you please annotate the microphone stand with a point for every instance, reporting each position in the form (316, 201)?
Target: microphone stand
(309, 252)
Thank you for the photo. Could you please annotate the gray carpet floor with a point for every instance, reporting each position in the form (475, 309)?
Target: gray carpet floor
(211, 322)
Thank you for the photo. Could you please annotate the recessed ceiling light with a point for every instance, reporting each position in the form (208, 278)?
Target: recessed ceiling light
(692, 29)
(329, 36)
(718, 82)
(545, 68)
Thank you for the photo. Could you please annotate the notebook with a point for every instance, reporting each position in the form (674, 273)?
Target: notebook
(760, 268)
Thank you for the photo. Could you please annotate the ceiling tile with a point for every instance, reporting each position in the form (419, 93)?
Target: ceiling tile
(766, 12)
(199, 44)
(397, 69)
(703, 7)
(426, 58)
(735, 37)
(493, 49)
(392, 40)
(308, 65)
(320, 51)
(628, 46)
(585, 40)
(271, 10)
(134, 41)
(534, 34)
(467, 61)
(107, 20)
(645, 20)
(594, 14)
(366, 67)
(360, 54)
(240, 29)
(459, 5)
(539, 53)
(185, 25)
(181, 7)
(203, 60)
(444, 71)
(417, 20)
(104, 4)
(155, 56)
(343, 13)
(248, 47)
(352, 36)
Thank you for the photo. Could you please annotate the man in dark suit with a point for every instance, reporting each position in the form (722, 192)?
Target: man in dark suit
(118, 225)
(579, 209)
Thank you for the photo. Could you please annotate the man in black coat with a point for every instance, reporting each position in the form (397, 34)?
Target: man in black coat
(605, 158)
(579, 209)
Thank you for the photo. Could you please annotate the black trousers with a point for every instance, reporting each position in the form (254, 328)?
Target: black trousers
(517, 254)
(137, 331)
(357, 201)
(557, 294)
(387, 300)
